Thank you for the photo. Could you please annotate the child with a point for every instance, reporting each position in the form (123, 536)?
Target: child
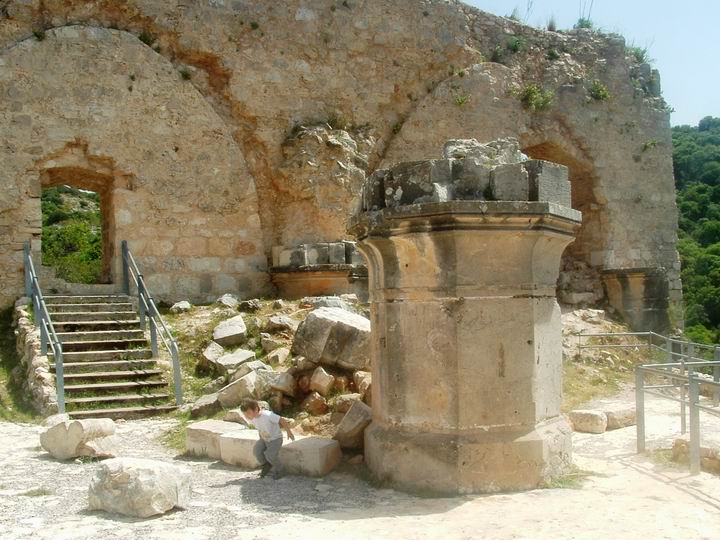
(268, 447)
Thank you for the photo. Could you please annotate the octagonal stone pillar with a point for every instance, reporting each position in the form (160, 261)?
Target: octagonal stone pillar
(466, 331)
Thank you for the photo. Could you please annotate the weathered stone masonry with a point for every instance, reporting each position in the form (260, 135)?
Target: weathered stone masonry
(218, 130)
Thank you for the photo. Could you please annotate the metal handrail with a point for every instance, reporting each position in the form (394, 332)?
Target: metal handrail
(48, 336)
(148, 311)
(680, 370)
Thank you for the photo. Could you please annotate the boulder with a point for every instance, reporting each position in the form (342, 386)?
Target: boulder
(333, 336)
(270, 343)
(202, 438)
(205, 405)
(247, 367)
(315, 404)
(230, 332)
(139, 487)
(214, 385)
(285, 383)
(310, 456)
(620, 417)
(278, 304)
(181, 307)
(278, 356)
(228, 364)
(236, 448)
(228, 300)
(250, 306)
(303, 383)
(316, 302)
(300, 364)
(280, 323)
(588, 421)
(243, 388)
(321, 381)
(342, 403)
(212, 352)
(68, 439)
(362, 380)
(351, 429)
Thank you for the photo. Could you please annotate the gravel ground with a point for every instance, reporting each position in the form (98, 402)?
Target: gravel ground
(625, 496)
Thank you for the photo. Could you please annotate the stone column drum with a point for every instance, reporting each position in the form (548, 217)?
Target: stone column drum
(463, 256)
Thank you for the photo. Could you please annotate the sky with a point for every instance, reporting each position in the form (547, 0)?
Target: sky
(682, 37)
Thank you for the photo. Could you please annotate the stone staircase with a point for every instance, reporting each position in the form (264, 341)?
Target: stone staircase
(108, 366)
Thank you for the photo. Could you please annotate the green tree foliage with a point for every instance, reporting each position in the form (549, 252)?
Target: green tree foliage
(71, 235)
(696, 158)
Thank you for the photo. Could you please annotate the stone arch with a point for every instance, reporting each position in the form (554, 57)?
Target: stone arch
(102, 104)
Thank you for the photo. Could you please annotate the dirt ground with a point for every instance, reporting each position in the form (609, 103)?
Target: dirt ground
(624, 496)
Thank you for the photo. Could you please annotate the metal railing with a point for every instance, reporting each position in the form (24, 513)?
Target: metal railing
(149, 314)
(48, 337)
(678, 368)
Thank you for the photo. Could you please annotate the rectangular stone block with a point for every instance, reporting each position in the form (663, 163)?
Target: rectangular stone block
(548, 182)
(276, 252)
(203, 438)
(352, 255)
(471, 179)
(310, 456)
(415, 182)
(236, 448)
(316, 253)
(336, 253)
(510, 183)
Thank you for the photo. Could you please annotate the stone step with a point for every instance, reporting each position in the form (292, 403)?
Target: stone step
(104, 355)
(70, 316)
(85, 308)
(116, 398)
(100, 335)
(83, 326)
(113, 386)
(111, 375)
(104, 345)
(78, 299)
(125, 412)
(128, 365)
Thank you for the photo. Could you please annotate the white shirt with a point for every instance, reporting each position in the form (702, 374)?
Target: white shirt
(268, 424)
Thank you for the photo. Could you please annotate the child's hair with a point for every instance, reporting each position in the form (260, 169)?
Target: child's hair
(249, 405)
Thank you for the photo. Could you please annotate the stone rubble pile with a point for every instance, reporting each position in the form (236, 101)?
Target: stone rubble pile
(316, 357)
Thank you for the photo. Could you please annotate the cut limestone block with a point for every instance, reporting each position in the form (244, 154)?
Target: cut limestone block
(73, 438)
(247, 367)
(205, 405)
(310, 456)
(230, 332)
(203, 438)
(352, 427)
(244, 388)
(236, 448)
(181, 307)
(321, 382)
(620, 417)
(362, 380)
(228, 300)
(139, 487)
(342, 403)
(229, 363)
(587, 421)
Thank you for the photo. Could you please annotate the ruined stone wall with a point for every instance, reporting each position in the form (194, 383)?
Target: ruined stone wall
(280, 110)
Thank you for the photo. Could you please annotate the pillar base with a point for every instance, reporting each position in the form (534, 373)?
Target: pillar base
(472, 462)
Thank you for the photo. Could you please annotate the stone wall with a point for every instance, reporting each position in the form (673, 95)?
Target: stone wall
(251, 125)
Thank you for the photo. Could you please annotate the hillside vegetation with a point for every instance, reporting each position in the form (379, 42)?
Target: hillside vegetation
(71, 234)
(696, 158)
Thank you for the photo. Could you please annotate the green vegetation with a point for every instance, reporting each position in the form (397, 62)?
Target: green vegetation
(185, 74)
(146, 38)
(553, 55)
(461, 99)
(598, 91)
(535, 98)
(640, 54)
(573, 479)
(515, 44)
(39, 34)
(13, 407)
(71, 235)
(696, 159)
(584, 22)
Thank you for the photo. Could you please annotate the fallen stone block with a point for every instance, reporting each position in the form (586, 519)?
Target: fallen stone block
(228, 300)
(333, 336)
(270, 343)
(310, 456)
(362, 380)
(280, 323)
(250, 305)
(709, 456)
(285, 383)
(321, 381)
(278, 356)
(202, 438)
(212, 352)
(588, 421)
(315, 404)
(236, 448)
(352, 427)
(230, 332)
(343, 402)
(620, 417)
(244, 388)
(139, 487)
(181, 307)
(228, 364)
(72, 438)
(205, 405)
(247, 367)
